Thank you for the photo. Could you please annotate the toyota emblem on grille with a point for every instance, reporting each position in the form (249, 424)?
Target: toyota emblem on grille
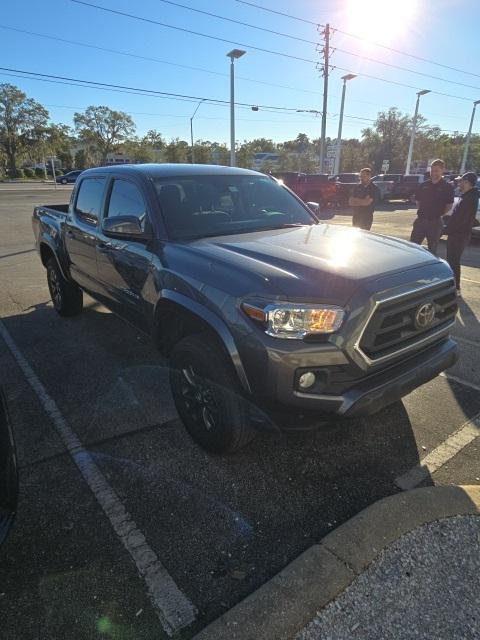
(425, 315)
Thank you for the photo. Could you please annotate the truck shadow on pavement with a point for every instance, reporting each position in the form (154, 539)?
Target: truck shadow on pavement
(223, 525)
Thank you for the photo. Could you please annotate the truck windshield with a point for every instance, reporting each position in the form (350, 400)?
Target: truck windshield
(201, 206)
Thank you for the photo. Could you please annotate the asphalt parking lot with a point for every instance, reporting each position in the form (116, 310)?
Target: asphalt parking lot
(219, 526)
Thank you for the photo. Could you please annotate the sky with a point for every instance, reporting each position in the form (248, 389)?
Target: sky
(174, 61)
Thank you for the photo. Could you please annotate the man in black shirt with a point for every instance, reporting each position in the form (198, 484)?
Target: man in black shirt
(363, 200)
(434, 199)
(460, 223)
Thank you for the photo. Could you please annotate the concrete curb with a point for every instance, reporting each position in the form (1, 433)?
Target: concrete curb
(285, 604)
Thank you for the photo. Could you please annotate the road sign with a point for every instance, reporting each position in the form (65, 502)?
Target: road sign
(331, 150)
(385, 166)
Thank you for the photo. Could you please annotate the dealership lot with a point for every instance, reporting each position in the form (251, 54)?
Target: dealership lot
(219, 527)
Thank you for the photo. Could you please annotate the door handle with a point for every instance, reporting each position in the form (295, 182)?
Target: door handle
(101, 246)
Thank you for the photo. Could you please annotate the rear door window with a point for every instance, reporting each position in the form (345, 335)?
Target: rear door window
(90, 199)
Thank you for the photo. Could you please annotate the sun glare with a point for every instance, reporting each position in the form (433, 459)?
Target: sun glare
(378, 21)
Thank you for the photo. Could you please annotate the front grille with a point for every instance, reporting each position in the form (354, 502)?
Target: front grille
(392, 326)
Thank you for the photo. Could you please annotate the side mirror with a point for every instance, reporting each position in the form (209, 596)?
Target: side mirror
(8, 472)
(124, 227)
(322, 214)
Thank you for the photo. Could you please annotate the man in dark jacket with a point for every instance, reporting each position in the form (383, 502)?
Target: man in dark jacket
(434, 199)
(363, 200)
(460, 223)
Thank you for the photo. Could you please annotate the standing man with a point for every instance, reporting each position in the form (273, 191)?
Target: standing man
(434, 199)
(363, 200)
(460, 223)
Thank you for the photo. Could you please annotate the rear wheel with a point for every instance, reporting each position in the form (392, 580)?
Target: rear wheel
(207, 395)
(67, 298)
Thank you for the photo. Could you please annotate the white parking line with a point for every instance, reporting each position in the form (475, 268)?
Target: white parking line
(439, 456)
(173, 608)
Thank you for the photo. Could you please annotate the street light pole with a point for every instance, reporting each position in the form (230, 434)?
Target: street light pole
(233, 55)
(467, 141)
(336, 169)
(414, 127)
(191, 129)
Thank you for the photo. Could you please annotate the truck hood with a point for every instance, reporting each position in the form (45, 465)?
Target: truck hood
(303, 262)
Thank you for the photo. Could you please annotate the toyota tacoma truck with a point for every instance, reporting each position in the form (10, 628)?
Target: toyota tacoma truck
(261, 308)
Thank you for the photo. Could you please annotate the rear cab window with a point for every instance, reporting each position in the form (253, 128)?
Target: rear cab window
(89, 200)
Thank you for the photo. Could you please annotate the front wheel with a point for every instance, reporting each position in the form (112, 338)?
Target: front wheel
(207, 395)
(67, 298)
(64, 181)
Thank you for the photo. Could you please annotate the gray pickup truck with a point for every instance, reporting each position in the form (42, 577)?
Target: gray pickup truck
(262, 310)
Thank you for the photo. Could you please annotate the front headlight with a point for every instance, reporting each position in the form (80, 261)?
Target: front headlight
(296, 321)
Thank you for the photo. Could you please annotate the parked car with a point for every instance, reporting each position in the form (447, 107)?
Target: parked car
(405, 188)
(8, 472)
(69, 178)
(310, 187)
(262, 310)
(384, 186)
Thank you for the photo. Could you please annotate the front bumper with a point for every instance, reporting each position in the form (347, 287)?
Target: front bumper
(371, 393)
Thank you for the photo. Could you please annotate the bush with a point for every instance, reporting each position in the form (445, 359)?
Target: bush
(19, 173)
(29, 173)
(39, 173)
(58, 172)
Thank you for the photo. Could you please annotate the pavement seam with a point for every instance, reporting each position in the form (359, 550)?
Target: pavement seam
(173, 608)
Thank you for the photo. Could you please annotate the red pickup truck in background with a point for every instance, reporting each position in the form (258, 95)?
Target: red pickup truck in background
(310, 187)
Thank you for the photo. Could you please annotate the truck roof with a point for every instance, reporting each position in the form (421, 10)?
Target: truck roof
(157, 170)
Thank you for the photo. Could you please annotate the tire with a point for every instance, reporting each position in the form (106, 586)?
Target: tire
(207, 395)
(67, 298)
(64, 181)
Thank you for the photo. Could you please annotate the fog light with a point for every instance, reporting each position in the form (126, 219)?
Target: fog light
(306, 380)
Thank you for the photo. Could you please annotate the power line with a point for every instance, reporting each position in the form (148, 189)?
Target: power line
(183, 66)
(286, 35)
(191, 32)
(197, 33)
(402, 84)
(141, 91)
(280, 13)
(409, 55)
(172, 96)
(357, 37)
(394, 66)
(244, 24)
(148, 58)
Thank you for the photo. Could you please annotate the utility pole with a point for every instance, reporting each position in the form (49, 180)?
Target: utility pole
(467, 141)
(326, 62)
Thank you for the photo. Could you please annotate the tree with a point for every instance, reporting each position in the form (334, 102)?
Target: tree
(177, 151)
(20, 118)
(103, 129)
(248, 149)
(82, 159)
